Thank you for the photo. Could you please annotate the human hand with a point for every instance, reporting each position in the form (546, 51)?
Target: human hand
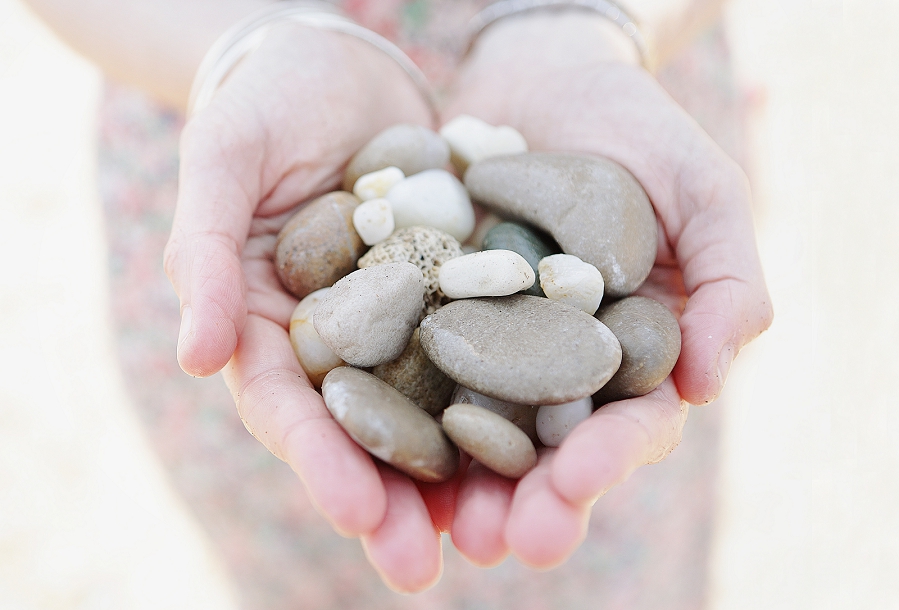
(277, 133)
(570, 83)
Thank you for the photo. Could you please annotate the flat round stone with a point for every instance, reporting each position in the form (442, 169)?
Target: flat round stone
(521, 349)
(387, 425)
(491, 439)
(650, 345)
(594, 208)
(490, 273)
(412, 148)
(530, 244)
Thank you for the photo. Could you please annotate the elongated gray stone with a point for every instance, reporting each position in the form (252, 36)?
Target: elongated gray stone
(594, 208)
(387, 425)
(521, 349)
(491, 439)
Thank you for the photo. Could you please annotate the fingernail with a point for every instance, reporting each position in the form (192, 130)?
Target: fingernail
(185, 325)
(725, 358)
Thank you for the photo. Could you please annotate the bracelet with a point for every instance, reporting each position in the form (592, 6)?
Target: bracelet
(609, 10)
(248, 34)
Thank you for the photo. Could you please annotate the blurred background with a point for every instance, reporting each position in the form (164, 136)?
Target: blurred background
(805, 515)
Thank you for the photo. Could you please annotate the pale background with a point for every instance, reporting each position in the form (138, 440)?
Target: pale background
(807, 513)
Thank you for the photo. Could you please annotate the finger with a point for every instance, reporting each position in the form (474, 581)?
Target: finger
(279, 407)
(405, 549)
(618, 438)
(218, 193)
(482, 509)
(440, 498)
(543, 527)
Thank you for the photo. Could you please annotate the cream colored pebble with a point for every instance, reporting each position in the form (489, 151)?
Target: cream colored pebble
(568, 279)
(373, 220)
(491, 273)
(315, 357)
(433, 198)
(375, 185)
(555, 422)
(470, 140)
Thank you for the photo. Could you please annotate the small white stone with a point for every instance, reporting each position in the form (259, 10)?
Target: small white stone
(373, 220)
(471, 140)
(491, 273)
(315, 357)
(375, 185)
(433, 198)
(568, 279)
(554, 422)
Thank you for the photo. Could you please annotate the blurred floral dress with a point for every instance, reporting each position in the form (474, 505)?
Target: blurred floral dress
(648, 542)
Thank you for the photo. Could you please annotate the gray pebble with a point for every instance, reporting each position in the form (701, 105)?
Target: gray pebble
(491, 439)
(412, 148)
(387, 425)
(523, 416)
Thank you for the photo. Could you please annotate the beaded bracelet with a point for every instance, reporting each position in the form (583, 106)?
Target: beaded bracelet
(248, 34)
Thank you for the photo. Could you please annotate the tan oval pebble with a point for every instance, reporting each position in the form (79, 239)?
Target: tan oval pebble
(523, 416)
(416, 377)
(315, 357)
(319, 244)
(412, 148)
(389, 426)
(491, 439)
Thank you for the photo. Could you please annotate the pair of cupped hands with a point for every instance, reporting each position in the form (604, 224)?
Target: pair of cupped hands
(280, 131)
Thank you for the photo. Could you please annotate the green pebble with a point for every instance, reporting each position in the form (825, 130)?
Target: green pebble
(526, 242)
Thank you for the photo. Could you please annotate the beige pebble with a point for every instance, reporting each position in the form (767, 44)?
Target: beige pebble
(491, 439)
(375, 185)
(568, 279)
(470, 140)
(523, 416)
(315, 357)
(373, 221)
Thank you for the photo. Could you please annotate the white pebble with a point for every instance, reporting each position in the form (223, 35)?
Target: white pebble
(491, 273)
(471, 140)
(376, 184)
(433, 198)
(373, 220)
(315, 357)
(554, 422)
(568, 279)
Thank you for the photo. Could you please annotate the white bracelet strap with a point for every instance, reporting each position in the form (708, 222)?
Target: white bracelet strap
(247, 35)
(609, 10)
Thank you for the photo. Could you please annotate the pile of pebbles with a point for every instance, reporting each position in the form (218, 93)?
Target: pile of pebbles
(426, 336)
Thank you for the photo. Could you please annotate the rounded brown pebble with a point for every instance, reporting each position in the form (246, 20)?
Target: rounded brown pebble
(491, 439)
(416, 377)
(319, 244)
(412, 148)
(389, 426)
(650, 345)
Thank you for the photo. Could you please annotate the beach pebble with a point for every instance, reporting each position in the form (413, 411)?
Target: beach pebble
(425, 247)
(375, 185)
(315, 357)
(433, 198)
(416, 377)
(568, 279)
(650, 345)
(491, 273)
(318, 245)
(387, 425)
(373, 221)
(368, 317)
(521, 349)
(526, 242)
(491, 439)
(470, 140)
(554, 422)
(412, 148)
(594, 208)
(523, 416)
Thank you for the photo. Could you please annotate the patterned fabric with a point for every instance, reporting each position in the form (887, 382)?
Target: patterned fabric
(648, 542)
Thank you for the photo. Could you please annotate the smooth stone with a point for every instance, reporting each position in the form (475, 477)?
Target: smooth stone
(491, 439)
(412, 148)
(521, 349)
(318, 245)
(568, 279)
(316, 358)
(491, 273)
(529, 244)
(368, 317)
(387, 425)
(374, 185)
(594, 208)
(433, 198)
(555, 422)
(373, 221)
(523, 416)
(470, 140)
(425, 247)
(416, 377)
(650, 345)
